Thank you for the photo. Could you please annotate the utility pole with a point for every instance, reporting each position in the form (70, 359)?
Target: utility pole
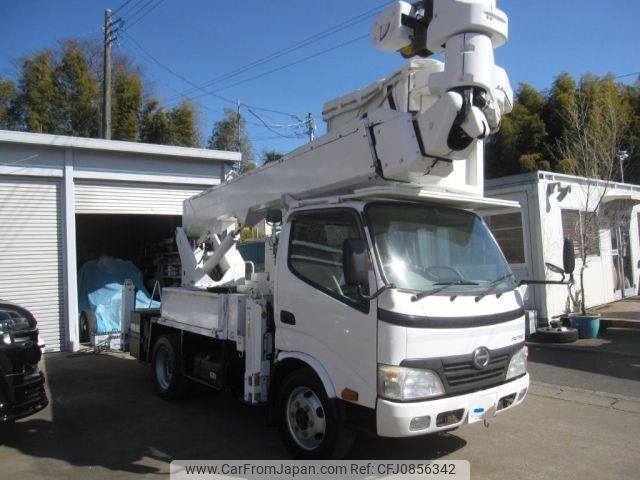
(242, 160)
(623, 155)
(106, 84)
(311, 127)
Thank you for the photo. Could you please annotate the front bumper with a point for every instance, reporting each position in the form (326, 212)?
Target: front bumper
(22, 390)
(394, 419)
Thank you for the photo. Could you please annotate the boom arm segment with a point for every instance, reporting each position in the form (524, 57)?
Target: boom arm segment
(424, 125)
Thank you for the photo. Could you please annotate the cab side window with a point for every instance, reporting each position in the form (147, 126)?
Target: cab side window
(315, 252)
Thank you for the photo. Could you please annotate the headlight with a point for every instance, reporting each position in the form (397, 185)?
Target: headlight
(400, 383)
(518, 364)
(11, 322)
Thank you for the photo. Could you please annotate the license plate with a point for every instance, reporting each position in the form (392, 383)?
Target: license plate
(481, 410)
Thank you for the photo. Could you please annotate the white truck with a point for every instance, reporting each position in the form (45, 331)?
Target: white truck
(386, 305)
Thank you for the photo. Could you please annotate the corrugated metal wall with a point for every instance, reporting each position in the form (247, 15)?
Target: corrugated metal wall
(131, 198)
(31, 252)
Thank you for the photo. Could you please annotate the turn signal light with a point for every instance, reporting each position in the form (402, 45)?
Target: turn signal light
(348, 394)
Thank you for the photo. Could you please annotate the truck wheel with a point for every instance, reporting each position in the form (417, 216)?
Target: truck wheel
(166, 368)
(307, 424)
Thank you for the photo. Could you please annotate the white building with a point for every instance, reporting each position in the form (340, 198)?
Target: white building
(533, 236)
(64, 200)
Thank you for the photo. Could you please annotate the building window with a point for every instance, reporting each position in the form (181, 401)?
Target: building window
(507, 230)
(574, 222)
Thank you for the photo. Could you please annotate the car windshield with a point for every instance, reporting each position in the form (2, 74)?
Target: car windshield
(437, 250)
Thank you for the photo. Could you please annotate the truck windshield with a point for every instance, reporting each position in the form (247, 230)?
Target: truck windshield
(437, 250)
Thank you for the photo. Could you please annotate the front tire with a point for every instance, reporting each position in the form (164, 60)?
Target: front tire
(308, 425)
(166, 368)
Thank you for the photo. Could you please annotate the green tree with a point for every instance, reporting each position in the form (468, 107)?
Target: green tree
(155, 126)
(8, 97)
(631, 95)
(560, 99)
(183, 122)
(37, 100)
(230, 133)
(269, 156)
(77, 95)
(519, 146)
(126, 105)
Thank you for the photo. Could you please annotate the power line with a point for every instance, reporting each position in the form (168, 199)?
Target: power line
(207, 92)
(295, 46)
(172, 72)
(291, 64)
(122, 6)
(627, 75)
(166, 104)
(271, 128)
(144, 14)
(136, 9)
(214, 94)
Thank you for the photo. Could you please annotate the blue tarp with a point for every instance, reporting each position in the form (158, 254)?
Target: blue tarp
(100, 290)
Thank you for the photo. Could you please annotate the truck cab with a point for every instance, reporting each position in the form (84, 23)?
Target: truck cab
(426, 336)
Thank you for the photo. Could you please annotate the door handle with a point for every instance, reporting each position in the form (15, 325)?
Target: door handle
(287, 317)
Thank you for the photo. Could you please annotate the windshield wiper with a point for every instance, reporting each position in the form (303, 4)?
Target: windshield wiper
(492, 286)
(443, 285)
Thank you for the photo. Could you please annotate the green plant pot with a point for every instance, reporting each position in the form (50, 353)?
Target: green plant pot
(588, 325)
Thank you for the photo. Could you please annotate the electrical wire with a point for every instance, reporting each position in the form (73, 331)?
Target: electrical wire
(296, 46)
(288, 65)
(206, 92)
(309, 40)
(174, 73)
(139, 7)
(153, 7)
(272, 130)
(122, 6)
(165, 104)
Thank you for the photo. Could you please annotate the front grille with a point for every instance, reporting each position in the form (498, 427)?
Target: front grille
(462, 374)
(458, 373)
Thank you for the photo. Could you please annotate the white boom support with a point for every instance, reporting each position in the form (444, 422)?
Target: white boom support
(424, 125)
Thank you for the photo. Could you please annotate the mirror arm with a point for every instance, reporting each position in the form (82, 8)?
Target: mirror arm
(548, 282)
(376, 294)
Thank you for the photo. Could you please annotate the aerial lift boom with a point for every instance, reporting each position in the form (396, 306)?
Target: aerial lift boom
(422, 127)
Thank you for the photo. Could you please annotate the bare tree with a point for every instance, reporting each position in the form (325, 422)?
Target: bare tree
(596, 123)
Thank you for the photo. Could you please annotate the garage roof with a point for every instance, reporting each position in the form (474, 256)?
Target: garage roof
(115, 146)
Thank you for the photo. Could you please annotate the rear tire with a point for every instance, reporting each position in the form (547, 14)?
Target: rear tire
(84, 329)
(166, 368)
(307, 423)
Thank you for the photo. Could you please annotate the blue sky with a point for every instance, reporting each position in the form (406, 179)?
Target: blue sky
(204, 40)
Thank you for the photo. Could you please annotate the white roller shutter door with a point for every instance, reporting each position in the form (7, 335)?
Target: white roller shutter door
(132, 198)
(31, 252)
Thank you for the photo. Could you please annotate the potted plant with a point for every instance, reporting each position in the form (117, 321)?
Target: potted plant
(587, 324)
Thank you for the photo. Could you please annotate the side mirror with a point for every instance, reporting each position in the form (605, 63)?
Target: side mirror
(554, 268)
(354, 262)
(568, 256)
(274, 216)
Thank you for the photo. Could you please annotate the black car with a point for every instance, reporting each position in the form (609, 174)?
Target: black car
(21, 382)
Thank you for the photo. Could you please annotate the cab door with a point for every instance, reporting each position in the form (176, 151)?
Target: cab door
(316, 313)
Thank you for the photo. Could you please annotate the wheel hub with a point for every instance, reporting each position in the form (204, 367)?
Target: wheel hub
(302, 419)
(306, 418)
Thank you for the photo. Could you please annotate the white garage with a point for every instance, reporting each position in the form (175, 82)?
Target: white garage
(65, 200)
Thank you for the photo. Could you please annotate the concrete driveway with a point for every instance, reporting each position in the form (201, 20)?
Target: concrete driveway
(105, 422)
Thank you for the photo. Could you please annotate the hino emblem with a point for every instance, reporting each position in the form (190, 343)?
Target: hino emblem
(481, 357)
